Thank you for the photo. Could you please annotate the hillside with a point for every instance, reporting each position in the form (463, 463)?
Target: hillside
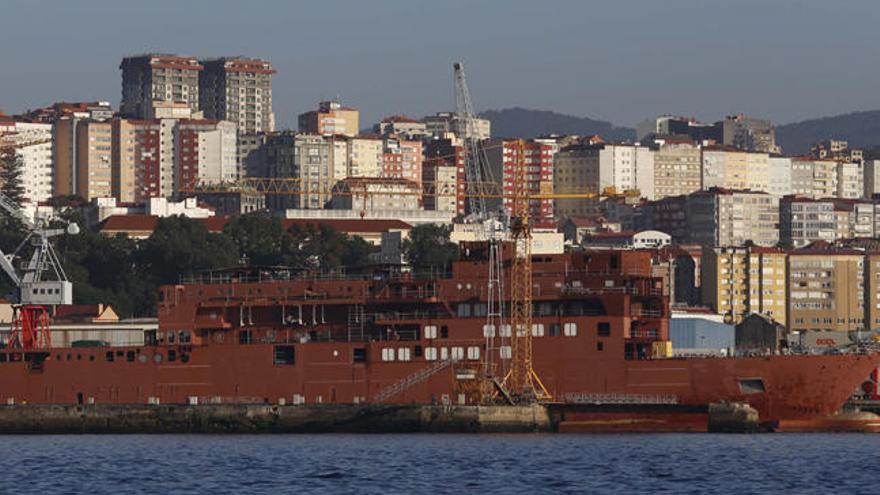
(522, 122)
(861, 129)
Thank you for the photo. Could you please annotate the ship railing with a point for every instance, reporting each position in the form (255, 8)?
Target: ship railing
(296, 275)
(612, 399)
(406, 315)
(648, 313)
(634, 291)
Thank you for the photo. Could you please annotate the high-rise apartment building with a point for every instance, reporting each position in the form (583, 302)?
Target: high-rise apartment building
(402, 159)
(31, 143)
(677, 168)
(503, 156)
(152, 78)
(779, 176)
(601, 168)
(850, 180)
(738, 281)
(305, 157)
(871, 177)
(748, 133)
(828, 289)
(94, 159)
(443, 175)
(238, 90)
(732, 168)
(813, 178)
(365, 154)
(330, 118)
(723, 217)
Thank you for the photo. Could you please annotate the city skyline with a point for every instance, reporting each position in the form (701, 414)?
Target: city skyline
(395, 58)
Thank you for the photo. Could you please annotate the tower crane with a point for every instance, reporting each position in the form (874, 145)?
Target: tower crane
(40, 282)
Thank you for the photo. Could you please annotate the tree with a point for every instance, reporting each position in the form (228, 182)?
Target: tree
(181, 245)
(261, 238)
(428, 247)
(10, 177)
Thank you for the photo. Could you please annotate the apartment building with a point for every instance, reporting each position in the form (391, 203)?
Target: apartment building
(94, 159)
(871, 177)
(300, 156)
(443, 175)
(733, 168)
(365, 155)
(330, 118)
(724, 217)
(827, 289)
(850, 180)
(31, 144)
(748, 133)
(402, 159)
(803, 221)
(403, 126)
(738, 281)
(504, 155)
(813, 178)
(238, 90)
(442, 123)
(205, 153)
(677, 168)
(779, 176)
(151, 78)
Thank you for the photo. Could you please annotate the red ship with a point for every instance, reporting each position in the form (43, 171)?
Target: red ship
(600, 336)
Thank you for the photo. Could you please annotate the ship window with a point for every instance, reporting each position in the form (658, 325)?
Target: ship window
(480, 309)
(403, 354)
(444, 332)
(109, 356)
(172, 355)
(751, 386)
(417, 351)
(464, 310)
(129, 356)
(388, 354)
(505, 352)
(537, 329)
(284, 354)
(505, 331)
(444, 353)
(430, 331)
(3, 358)
(359, 354)
(473, 353)
(570, 329)
(488, 331)
(244, 337)
(457, 353)
(170, 337)
(604, 329)
(554, 329)
(600, 346)
(430, 353)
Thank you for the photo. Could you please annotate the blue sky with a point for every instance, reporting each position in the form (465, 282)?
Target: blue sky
(616, 60)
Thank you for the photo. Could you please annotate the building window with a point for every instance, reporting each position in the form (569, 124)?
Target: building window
(603, 329)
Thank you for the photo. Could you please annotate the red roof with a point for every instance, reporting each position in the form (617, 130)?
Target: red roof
(399, 118)
(147, 223)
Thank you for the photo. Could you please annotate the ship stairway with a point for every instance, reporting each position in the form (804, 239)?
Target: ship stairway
(413, 379)
(502, 391)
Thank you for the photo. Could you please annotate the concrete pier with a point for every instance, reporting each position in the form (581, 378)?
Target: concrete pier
(240, 418)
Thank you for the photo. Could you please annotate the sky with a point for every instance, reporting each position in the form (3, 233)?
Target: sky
(621, 60)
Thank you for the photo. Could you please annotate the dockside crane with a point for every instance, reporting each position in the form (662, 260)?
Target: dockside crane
(40, 282)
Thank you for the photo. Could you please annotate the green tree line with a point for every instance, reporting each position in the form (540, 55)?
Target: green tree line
(126, 273)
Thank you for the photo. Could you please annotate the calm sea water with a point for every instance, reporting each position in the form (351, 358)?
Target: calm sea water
(172, 464)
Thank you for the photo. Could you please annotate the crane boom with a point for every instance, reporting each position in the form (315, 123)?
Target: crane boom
(477, 172)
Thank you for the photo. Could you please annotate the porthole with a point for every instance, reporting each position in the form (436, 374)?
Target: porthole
(157, 358)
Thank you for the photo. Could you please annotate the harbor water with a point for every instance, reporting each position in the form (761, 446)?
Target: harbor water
(426, 463)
